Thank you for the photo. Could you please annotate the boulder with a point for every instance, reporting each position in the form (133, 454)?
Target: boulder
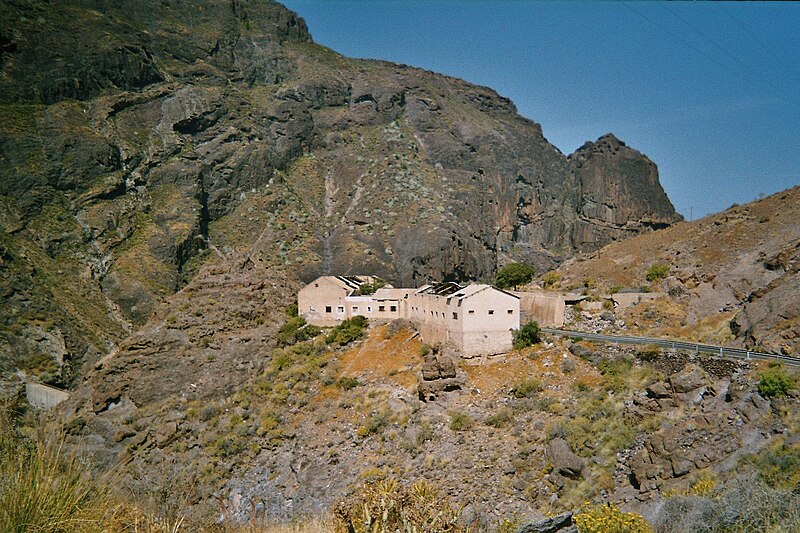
(564, 460)
(689, 379)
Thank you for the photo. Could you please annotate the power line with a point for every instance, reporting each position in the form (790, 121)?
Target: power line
(758, 75)
(680, 38)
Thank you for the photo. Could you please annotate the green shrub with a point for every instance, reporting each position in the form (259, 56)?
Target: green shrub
(499, 419)
(657, 271)
(775, 382)
(527, 388)
(348, 331)
(296, 330)
(513, 275)
(527, 335)
(614, 289)
(649, 352)
(347, 382)
(460, 421)
(551, 278)
(369, 288)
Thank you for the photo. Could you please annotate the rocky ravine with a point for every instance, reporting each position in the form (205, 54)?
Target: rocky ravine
(138, 142)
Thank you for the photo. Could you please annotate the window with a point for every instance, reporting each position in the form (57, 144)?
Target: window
(455, 316)
(471, 312)
(340, 309)
(491, 311)
(355, 309)
(381, 308)
(369, 309)
(328, 309)
(510, 311)
(393, 308)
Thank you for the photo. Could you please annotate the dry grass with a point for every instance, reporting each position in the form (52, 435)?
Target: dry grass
(395, 358)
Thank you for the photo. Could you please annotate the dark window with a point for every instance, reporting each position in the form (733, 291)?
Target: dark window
(510, 311)
(491, 311)
(381, 308)
(471, 311)
(455, 316)
(393, 308)
(328, 309)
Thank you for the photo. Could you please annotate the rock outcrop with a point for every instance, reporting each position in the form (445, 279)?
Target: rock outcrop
(710, 423)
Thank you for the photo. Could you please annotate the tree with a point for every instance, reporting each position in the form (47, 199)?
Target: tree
(514, 274)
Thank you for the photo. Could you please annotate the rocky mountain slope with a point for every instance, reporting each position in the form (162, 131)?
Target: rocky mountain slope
(139, 141)
(733, 277)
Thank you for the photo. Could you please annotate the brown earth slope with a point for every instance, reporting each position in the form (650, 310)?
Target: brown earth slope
(739, 268)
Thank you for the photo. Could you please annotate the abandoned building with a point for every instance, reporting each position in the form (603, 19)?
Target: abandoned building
(475, 319)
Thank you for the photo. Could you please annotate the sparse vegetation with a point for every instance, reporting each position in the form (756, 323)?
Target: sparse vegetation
(460, 421)
(606, 518)
(527, 388)
(388, 505)
(348, 331)
(369, 288)
(657, 271)
(296, 330)
(550, 279)
(775, 382)
(514, 275)
(527, 335)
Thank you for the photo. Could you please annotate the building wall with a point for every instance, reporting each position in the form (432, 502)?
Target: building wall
(546, 308)
(482, 332)
(314, 299)
(430, 314)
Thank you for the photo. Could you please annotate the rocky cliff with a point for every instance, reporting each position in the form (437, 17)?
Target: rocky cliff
(139, 141)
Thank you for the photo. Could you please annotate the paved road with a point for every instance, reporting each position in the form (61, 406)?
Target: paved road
(721, 351)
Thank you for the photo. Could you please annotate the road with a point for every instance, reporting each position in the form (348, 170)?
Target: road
(720, 351)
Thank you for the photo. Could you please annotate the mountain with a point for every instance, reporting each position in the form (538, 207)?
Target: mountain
(732, 277)
(141, 140)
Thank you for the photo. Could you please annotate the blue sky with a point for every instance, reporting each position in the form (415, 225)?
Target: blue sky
(709, 91)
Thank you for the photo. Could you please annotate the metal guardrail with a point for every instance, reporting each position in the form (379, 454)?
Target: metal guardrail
(721, 351)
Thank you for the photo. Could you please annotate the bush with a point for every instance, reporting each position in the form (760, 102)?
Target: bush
(527, 388)
(657, 271)
(296, 330)
(649, 352)
(527, 335)
(551, 278)
(499, 419)
(347, 383)
(775, 382)
(369, 288)
(460, 421)
(390, 506)
(513, 275)
(606, 518)
(348, 331)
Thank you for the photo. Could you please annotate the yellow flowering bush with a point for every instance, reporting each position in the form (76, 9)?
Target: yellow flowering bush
(606, 518)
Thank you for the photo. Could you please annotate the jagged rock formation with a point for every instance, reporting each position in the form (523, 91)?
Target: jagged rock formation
(139, 141)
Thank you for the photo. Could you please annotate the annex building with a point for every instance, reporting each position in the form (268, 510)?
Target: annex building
(475, 319)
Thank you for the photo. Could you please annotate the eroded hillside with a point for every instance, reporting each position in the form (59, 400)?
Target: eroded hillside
(733, 277)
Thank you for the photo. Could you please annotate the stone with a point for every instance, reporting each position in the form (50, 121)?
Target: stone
(564, 460)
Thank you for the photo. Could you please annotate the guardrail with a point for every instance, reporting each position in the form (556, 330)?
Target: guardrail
(721, 351)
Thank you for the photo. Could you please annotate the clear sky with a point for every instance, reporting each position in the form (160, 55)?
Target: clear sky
(709, 91)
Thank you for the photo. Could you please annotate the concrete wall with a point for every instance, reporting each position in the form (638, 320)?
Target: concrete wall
(430, 314)
(627, 299)
(485, 320)
(314, 299)
(546, 308)
(44, 397)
